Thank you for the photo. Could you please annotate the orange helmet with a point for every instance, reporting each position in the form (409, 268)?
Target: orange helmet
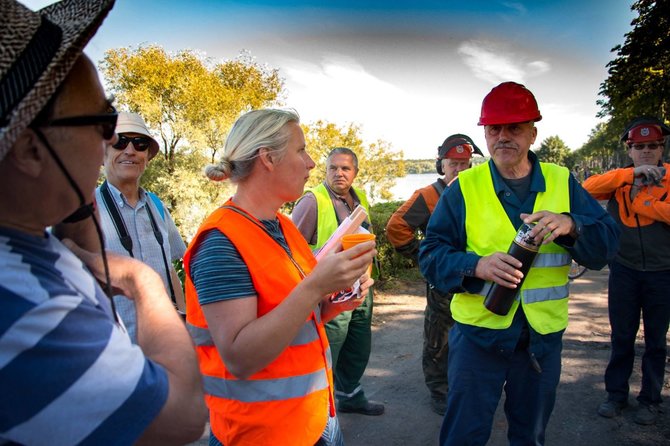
(509, 103)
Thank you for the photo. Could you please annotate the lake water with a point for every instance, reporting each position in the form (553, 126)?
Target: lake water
(405, 186)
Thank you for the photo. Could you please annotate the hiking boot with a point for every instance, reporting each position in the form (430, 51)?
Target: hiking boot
(646, 414)
(367, 408)
(438, 405)
(610, 409)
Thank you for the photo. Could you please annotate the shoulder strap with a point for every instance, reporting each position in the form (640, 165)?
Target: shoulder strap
(438, 186)
(158, 203)
(159, 239)
(120, 226)
(260, 225)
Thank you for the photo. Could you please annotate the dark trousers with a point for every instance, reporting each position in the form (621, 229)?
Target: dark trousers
(632, 292)
(350, 338)
(436, 325)
(477, 378)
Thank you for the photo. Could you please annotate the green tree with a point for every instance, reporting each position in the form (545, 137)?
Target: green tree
(189, 103)
(639, 80)
(603, 150)
(553, 150)
(377, 162)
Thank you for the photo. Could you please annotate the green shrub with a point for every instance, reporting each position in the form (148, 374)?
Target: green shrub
(392, 264)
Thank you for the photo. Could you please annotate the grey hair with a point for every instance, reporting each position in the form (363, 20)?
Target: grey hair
(252, 131)
(344, 151)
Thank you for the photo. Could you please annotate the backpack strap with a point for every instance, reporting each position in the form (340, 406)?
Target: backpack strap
(157, 202)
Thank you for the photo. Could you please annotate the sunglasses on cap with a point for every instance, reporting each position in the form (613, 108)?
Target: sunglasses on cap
(106, 121)
(140, 143)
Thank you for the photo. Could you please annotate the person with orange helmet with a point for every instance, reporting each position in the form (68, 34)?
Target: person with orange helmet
(453, 157)
(640, 274)
(464, 253)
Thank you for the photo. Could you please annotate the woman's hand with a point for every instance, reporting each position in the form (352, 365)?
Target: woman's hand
(338, 271)
(331, 309)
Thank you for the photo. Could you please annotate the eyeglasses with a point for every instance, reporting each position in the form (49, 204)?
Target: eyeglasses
(106, 121)
(512, 129)
(140, 143)
(649, 145)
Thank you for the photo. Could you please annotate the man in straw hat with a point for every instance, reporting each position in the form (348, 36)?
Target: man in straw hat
(135, 222)
(70, 374)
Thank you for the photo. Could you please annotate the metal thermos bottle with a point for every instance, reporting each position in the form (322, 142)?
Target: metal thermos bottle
(523, 248)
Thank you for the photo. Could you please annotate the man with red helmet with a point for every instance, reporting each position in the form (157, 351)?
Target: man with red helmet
(639, 275)
(453, 156)
(464, 253)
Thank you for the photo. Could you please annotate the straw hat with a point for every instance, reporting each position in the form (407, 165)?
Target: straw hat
(37, 50)
(133, 123)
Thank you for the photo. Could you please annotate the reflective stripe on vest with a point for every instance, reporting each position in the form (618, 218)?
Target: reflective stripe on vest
(544, 293)
(265, 390)
(307, 334)
(326, 219)
(287, 401)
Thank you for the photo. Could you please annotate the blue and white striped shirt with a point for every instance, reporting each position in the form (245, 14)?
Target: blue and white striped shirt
(68, 373)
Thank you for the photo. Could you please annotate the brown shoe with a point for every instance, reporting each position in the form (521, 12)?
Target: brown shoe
(369, 408)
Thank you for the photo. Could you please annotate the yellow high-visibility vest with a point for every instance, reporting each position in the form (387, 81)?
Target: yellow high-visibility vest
(544, 293)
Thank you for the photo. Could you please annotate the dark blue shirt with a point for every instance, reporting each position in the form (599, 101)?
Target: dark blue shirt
(445, 263)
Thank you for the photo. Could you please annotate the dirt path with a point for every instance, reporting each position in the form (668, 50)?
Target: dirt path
(394, 377)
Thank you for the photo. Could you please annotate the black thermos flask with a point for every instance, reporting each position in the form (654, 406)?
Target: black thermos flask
(523, 248)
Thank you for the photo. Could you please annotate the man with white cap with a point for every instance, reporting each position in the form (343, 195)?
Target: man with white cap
(68, 372)
(453, 156)
(135, 222)
(639, 277)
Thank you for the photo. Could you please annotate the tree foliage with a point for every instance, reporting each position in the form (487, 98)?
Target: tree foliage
(189, 103)
(377, 162)
(554, 150)
(639, 81)
(638, 84)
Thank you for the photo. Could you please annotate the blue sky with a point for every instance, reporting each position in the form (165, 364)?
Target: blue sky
(410, 73)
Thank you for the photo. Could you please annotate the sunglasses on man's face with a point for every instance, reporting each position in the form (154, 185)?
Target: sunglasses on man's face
(650, 145)
(140, 143)
(106, 121)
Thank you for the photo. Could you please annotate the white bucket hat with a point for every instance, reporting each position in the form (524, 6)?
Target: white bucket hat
(37, 51)
(133, 123)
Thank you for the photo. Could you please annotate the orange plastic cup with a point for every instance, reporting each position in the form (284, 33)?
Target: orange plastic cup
(350, 240)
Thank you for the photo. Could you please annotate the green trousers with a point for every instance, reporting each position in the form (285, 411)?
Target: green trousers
(350, 338)
(436, 325)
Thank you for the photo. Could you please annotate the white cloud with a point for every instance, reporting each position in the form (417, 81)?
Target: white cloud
(515, 6)
(495, 63)
(341, 91)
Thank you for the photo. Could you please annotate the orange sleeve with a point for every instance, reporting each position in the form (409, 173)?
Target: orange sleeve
(398, 232)
(603, 186)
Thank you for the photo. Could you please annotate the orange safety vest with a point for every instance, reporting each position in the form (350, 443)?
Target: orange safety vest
(286, 402)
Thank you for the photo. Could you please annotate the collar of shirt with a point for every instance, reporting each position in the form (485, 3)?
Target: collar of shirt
(120, 199)
(512, 205)
(537, 183)
(343, 198)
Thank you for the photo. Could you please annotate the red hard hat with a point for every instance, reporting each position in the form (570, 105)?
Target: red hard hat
(509, 103)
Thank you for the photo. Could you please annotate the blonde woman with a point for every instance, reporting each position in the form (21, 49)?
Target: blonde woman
(257, 300)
